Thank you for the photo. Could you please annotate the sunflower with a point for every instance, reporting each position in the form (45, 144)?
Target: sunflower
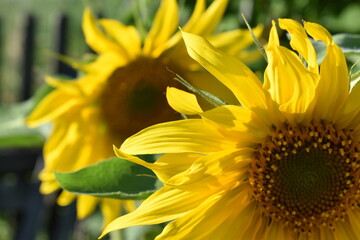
(121, 91)
(282, 165)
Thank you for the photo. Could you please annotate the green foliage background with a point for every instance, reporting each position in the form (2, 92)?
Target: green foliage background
(337, 16)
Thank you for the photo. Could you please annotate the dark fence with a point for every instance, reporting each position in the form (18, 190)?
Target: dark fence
(27, 211)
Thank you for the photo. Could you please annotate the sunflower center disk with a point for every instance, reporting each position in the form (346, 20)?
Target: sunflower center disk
(307, 176)
(134, 96)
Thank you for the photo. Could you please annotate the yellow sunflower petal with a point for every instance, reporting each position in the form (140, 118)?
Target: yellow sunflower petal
(202, 22)
(71, 146)
(199, 8)
(96, 39)
(351, 109)
(235, 41)
(275, 231)
(129, 205)
(48, 186)
(69, 86)
(290, 84)
(213, 171)
(66, 152)
(105, 64)
(75, 144)
(95, 143)
(318, 32)
(345, 231)
(127, 37)
(238, 120)
(85, 205)
(217, 209)
(300, 42)
(209, 19)
(248, 232)
(164, 25)
(327, 234)
(65, 198)
(165, 166)
(110, 209)
(273, 36)
(236, 225)
(228, 70)
(80, 88)
(205, 81)
(333, 86)
(354, 217)
(162, 206)
(190, 135)
(182, 102)
(95, 140)
(63, 134)
(238, 191)
(62, 158)
(51, 107)
(171, 164)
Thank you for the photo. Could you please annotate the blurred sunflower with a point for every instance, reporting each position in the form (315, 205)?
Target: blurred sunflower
(283, 165)
(122, 90)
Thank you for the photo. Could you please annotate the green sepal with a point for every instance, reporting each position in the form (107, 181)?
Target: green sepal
(210, 98)
(112, 178)
(255, 39)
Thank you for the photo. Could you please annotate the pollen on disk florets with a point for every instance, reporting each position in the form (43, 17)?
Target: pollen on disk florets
(307, 176)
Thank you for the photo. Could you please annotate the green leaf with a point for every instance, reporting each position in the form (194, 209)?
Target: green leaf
(113, 178)
(349, 44)
(13, 131)
(320, 49)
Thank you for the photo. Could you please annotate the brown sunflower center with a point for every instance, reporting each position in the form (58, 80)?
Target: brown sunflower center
(134, 96)
(307, 176)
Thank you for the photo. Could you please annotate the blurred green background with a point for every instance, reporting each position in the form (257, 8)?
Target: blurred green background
(337, 16)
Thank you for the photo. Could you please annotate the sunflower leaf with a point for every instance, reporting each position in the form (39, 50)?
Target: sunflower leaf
(113, 178)
(13, 131)
(349, 44)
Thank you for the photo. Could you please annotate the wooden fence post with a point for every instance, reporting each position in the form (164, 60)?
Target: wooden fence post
(28, 58)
